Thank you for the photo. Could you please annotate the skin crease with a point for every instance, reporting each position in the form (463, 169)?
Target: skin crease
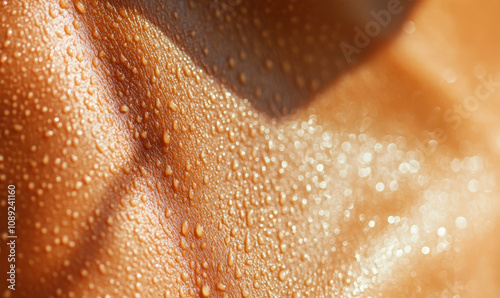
(142, 171)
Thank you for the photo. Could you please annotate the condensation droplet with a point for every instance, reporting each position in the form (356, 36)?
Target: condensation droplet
(220, 287)
(184, 228)
(168, 171)
(64, 4)
(473, 185)
(124, 109)
(199, 231)
(205, 290)
(230, 258)
(461, 222)
(166, 138)
(79, 6)
(441, 232)
(173, 106)
(242, 78)
(282, 275)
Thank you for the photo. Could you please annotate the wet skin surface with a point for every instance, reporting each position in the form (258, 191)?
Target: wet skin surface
(151, 161)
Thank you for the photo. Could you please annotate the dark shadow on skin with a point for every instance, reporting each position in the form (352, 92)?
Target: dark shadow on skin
(275, 54)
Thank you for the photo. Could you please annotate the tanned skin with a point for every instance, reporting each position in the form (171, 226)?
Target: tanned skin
(235, 149)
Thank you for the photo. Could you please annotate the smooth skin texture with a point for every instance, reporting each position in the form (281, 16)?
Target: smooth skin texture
(150, 161)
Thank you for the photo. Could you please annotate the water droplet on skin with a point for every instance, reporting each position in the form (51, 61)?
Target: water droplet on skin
(64, 4)
(473, 185)
(102, 269)
(281, 235)
(52, 12)
(248, 245)
(394, 185)
(204, 265)
(242, 78)
(205, 290)
(168, 171)
(184, 244)
(45, 159)
(155, 280)
(230, 62)
(166, 138)
(124, 109)
(175, 125)
(79, 7)
(186, 70)
(199, 231)
(221, 287)
(461, 222)
(191, 194)
(84, 273)
(282, 275)
(123, 59)
(237, 273)
(122, 12)
(184, 228)
(268, 64)
(230, 258)
(173, 106)
(67, 30)
(249, 218)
